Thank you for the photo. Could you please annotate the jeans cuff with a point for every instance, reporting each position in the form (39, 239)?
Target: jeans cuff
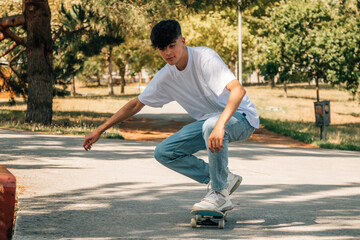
(206, 180)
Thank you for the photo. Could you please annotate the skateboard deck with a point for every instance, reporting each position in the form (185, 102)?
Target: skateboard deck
(208, 217)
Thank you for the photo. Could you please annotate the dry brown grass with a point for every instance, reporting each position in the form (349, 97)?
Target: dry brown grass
(93, 106)
(299, 105)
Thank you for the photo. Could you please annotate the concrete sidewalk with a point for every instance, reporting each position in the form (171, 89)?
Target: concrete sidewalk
(118, 191)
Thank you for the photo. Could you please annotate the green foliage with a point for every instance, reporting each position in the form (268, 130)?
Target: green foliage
(200, 20)
(86, 32)
(318, 39)
(300, 40)
(269, 70)
(203, 30)
(343, 48)
(341, 146)
(253, 13)
(88, 26)
(93, 67)
(10, 8)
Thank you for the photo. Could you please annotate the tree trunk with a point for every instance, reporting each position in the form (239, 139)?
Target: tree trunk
(140, 76)
(40, 73)
(257, 71)
(276, 78)
(285, 89)
(272, 82)
(111, 83)
(98, 80)
(317, 89)
(232, 63)
(122, 70)
(232, 67)
(73, 92)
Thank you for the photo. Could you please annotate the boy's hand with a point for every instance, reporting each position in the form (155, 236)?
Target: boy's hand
(216, 139)
(91, 138)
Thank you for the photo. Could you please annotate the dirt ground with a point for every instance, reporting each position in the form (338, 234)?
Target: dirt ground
(144, 129)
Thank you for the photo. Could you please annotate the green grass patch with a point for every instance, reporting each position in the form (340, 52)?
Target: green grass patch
(341, 146)
(73, 123)
(101, 97)
(342, 137)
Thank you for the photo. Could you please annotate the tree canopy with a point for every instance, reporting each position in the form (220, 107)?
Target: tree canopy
(296, 40)
(317, 39)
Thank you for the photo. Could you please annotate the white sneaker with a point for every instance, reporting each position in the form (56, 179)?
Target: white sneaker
(215, 200)
(233, 182)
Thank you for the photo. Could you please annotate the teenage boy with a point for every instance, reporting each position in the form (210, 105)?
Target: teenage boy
(202, 84)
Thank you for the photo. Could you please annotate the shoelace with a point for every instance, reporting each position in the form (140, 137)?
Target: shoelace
(209, 191)
(211, 195)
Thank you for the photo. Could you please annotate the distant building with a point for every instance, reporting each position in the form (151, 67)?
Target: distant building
(255, 78)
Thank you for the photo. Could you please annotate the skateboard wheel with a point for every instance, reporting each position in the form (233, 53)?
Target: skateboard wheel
(193, 223)
(221, 224)
(225, 218)
(198, 218)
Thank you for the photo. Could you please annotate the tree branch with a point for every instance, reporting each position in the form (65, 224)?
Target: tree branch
(2, 36)
(75, 31)
(12, 59)
(14, 71)
(12, 21)
(10, 34)
(16, 56)
(61, 30)
(57, 35)
(14, 45)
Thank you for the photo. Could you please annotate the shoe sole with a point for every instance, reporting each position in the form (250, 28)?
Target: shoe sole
(209, 209)
(227, 208)
(237, 184)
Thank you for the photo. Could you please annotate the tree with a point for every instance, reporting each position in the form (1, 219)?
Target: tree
(36, 17)
(93, 67)
(342, 43)
(134, 54)
(39, 62)
(83, 37)
(203, 30)
(317, 39)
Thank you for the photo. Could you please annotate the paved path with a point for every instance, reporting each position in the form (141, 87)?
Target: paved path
(118, 191)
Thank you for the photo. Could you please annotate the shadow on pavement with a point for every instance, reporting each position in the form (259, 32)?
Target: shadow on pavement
(122, 210)
(99, 194)
(54, 147)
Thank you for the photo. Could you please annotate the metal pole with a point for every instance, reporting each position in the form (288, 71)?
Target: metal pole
(321, 132)
(240, 43)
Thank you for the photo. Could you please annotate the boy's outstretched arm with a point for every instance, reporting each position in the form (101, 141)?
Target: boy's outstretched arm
(237, 92)
(127, 111)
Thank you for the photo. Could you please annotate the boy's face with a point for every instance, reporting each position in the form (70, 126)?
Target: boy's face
(174, 52)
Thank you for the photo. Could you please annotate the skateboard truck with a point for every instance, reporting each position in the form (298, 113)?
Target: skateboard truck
(208, 217)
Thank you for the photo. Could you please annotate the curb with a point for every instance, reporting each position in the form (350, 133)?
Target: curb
(7, 203)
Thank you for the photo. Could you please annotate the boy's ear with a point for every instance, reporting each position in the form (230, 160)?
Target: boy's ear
(183, 40)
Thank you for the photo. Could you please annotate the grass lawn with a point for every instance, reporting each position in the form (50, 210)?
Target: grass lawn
(292, 116)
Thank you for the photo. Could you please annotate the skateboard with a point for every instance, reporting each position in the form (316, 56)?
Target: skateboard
(208, 217)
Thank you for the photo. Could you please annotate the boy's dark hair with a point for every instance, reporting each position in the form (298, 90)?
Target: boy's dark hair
(164, 33)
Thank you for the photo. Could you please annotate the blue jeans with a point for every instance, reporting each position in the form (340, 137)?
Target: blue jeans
(176, 152)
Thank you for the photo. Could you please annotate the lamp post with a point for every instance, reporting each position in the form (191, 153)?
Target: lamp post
(240, 42)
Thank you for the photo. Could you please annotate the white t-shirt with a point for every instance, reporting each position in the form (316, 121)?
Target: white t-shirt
(200, 88)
